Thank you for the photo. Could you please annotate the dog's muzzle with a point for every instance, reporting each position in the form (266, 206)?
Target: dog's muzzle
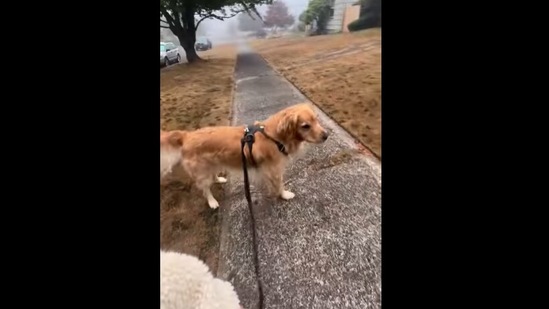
(325, 135)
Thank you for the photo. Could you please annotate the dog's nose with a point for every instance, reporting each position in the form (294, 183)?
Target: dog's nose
(325, 135)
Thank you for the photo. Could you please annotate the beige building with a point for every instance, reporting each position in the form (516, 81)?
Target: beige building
(351, 14)
(343, 12)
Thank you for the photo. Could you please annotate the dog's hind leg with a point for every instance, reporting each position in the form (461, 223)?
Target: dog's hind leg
(212, 202)
(203, 180)
(204, 184)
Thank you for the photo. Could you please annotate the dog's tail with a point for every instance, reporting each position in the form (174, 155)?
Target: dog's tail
(173, 138)
(170, 150)
(176, 138)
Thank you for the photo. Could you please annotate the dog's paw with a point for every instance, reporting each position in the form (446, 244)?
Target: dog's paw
(220, 179)
(213, 203)
(287, 195)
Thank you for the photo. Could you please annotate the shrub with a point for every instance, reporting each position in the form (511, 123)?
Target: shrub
(366, 21)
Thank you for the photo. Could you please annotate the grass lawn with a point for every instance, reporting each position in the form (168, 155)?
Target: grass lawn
(193, 96)
(341, 73)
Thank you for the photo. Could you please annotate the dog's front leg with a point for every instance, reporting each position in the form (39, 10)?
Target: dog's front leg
(273, 177)
(220, 179)
(287, 195)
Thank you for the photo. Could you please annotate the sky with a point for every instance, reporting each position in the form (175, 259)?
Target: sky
(220, 31)
(294, 6)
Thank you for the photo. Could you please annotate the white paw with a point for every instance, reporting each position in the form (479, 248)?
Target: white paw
(287, 195)
(213, 203)
(220, 179)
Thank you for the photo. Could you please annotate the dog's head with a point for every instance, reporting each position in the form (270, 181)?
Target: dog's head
(170, 150)
(300, 122)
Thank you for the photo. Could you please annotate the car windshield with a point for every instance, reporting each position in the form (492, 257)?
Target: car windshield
(201, 40)
(162, 48)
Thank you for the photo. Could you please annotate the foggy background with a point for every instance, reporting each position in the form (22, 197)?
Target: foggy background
(226, 31)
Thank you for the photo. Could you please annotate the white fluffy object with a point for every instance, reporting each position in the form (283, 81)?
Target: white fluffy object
(186, 283)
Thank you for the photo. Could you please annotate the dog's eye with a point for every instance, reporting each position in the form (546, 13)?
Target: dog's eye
(306, 126)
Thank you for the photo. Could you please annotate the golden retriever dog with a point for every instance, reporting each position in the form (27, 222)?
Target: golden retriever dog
(210, 150)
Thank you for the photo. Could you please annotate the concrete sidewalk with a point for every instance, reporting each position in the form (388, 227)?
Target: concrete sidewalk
(321, 249)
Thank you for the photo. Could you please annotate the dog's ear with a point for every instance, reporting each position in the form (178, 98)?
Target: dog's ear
(288, 124)
(175, 139)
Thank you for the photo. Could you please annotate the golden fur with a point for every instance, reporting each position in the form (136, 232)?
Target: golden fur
(170, 150)
(207, 151)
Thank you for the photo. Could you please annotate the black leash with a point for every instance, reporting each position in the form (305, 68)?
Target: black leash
(249, 139)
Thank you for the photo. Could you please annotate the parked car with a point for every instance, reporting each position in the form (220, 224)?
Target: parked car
(169, 53)
(202, 43)
(260, 34)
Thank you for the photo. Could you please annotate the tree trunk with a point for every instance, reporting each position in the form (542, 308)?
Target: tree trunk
(189, 38)
(187, 42)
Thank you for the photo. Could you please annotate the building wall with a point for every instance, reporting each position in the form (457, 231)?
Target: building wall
(352, 13)
(336, 23)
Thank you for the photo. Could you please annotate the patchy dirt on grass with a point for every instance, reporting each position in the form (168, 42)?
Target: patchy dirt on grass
(194, 96)
(341, 73)
(338, 158)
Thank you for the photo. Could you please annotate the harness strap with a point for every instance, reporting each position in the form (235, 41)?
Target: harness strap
(249, 138)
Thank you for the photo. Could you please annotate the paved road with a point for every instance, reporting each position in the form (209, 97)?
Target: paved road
(323, 248)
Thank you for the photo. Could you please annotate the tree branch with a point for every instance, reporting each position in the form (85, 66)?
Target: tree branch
(249, 10)
(167, 16)
(164, 27)
(211, 15)
(231, 15)
(254, 13)
(198, 23)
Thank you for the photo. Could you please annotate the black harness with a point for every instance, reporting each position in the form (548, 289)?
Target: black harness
(249, 139)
